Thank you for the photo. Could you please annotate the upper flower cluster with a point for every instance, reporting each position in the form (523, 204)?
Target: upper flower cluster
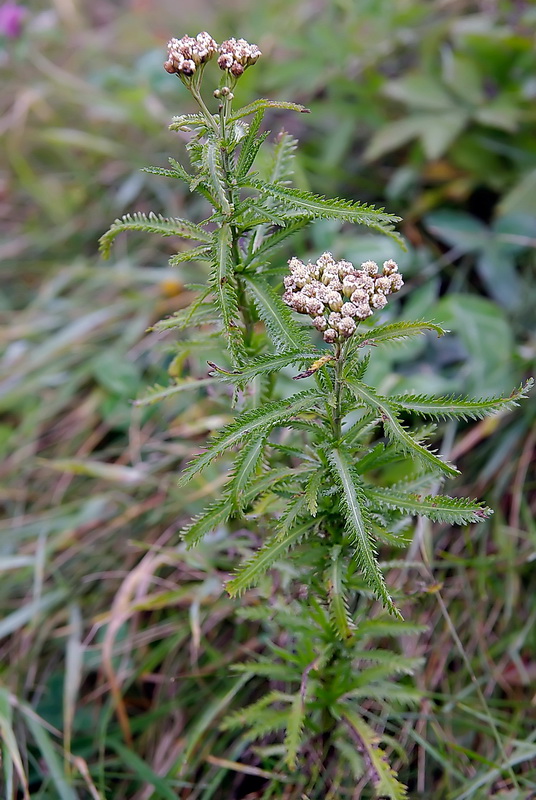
(336, 294)
(186, 54)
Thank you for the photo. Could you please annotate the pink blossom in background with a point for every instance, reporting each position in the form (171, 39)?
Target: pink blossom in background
(11, 18)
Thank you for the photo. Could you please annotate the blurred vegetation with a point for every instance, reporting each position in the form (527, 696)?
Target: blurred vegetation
(425, 107)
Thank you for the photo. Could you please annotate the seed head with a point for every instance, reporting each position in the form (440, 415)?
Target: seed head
(337, 295)
(186, 54)
(236, 55)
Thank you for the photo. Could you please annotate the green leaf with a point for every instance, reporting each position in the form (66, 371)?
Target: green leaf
(259, 419)
(264, 365)
(338, 605)
(221, 280)
(354, 503)
(464, 408)
(262, 104)
(276, 316)
(273, 241)
(461, 231)
(214, 170)
(377, 769)
(52, 766)
(245, 467)
(398, 435)
(421, 91)
(312, 490)
(201, 253)
(275, 548)
(158, 393)
(439, 508)
(250, 146)
(282, 166)
(317, 206)
(397, 331)
(151, 223)
(211, 518)
(294, 734)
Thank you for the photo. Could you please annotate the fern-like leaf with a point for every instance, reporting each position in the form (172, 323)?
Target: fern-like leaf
(378, 770)
(244, 468)
(354, 504)
(159, 393)
(338, 605)
(320, 207)
(214, 171)
(201, 253)
(257, 420)
(221, 280)
(277, 317)
(282, 167)
(262, 105)
(212, 517)
(312, 490)
(295, 726)
(456, 407)
(399, 436)
(151, 223)
(264, 365)
(250, 573)
(273, 241)
(250, 146)
(439, 508)
(397, 331)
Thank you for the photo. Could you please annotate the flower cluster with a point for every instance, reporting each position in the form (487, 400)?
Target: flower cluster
(186, 54)
(337, 295)
(237, 55)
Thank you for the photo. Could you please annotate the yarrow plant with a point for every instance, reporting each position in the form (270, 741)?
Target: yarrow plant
(307, 470)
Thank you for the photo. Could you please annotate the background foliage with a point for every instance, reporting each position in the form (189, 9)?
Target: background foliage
(427, 108)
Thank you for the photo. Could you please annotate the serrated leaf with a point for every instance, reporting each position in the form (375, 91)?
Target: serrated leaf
(264, 365)
(151, 223)
(250, 146)
(158, 393)
(455, 407)
(312, 489)
(439, 508)
(262, 104)
(338, 604)
(317, 206)
(226, 296)
(398, 435)
(245, 467)
(276, 316)
(275, 548)
(295, 725)
(259, 419)
(201, 253)
(214, 170)
(397, 331)
(273, 241)
(354, 503)
(215, 515)
(378, 770)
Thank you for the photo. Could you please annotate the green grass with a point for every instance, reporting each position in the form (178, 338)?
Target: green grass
(116, 642)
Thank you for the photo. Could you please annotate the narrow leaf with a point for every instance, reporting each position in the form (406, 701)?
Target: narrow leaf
(245, 468)
(151, 223)
(221, 280)
(295, 723)
(276, 316)
(275, 548)
(399, 436)
(466, 408)
(262, 104)
(201, 253)
(440, 508)
(338, 606)
(354, 503)
(248, 423)
(213, 165)
(250, 146)
(397, 331)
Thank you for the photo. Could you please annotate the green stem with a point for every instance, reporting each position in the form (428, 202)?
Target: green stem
(206, 113)
(337, 386)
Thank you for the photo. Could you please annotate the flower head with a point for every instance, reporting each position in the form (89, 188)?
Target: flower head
(186, 54)
(11, 19)
(236, 55)
(337, 295)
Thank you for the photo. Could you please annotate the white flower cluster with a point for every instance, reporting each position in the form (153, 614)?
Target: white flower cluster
(337, 295)
(236, 55)
(186, 54)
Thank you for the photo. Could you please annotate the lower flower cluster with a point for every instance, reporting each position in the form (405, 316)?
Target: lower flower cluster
(337, 295)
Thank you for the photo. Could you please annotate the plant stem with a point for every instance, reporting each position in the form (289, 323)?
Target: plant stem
(337, 414)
